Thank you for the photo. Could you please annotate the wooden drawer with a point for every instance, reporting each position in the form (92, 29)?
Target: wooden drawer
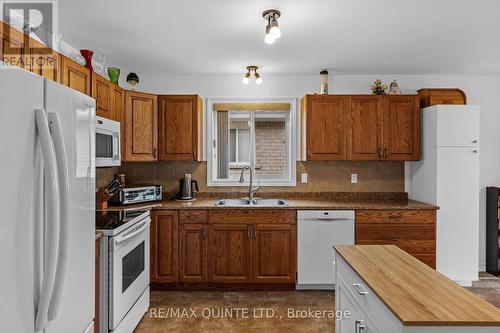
(409, 238)
(265, 216)
(193, 216)
(395, 216)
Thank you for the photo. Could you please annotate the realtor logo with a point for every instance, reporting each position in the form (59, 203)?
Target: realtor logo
(36, 19)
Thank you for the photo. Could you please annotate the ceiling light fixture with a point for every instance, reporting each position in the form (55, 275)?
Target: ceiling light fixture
(273, 31)
(252, 71)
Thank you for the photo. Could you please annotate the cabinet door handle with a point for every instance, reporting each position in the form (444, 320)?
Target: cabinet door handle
(204, 232)
(380, 152)
(385, 153)
(474, 141)
(254, 233)
(154, 152)
(194, 153)
(359, 288)
(249, 232)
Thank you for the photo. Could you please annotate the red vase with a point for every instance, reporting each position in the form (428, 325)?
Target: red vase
(87, 54)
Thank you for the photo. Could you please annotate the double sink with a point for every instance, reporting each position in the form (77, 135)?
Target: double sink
(251, 203)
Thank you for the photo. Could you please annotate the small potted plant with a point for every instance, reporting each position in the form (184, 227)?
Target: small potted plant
(378, 88)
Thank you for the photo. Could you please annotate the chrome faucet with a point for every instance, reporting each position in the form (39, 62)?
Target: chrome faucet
(251, 190)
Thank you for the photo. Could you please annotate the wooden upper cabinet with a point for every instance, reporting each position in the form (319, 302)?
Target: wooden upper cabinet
(102, 93)
(75, 75)
(164, 246)
(360, 127)
(118, 102)
(140, 128)
(365, 128)
(180, 127)
(230, 253)
(324, 127)
(43, 60)
(274, 253)
(193, 238)
(13, 49)
(401, 128)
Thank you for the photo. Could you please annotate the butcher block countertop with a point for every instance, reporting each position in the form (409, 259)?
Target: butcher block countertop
(415, 293)
(333, 200)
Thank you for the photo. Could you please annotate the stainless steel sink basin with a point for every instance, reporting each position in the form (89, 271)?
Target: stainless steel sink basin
(233, 202)
(270, 202)
(251, 203)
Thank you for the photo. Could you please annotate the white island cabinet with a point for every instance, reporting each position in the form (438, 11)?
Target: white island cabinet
(382, 289)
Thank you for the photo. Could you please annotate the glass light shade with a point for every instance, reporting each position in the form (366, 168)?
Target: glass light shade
(258, 80)
(275, 31)
(245, 80)
(269, 39)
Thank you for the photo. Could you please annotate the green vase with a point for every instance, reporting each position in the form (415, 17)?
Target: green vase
(114, 74)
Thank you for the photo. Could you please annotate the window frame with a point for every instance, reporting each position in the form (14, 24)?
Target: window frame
(292, 142)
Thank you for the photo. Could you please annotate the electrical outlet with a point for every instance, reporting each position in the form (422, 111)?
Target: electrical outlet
(303, 178)
(354, 178)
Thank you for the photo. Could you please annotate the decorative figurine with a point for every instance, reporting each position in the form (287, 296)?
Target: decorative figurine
(323, 79)
(132, 79)
(378, 88)
(394, 88)
(114, 74)
(87, 55)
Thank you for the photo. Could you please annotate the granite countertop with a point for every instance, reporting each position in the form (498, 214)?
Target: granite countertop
(333, 200)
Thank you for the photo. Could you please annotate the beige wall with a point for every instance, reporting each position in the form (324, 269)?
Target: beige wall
(324, 176)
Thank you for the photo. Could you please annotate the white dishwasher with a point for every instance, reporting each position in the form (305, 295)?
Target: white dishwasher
(317, 232)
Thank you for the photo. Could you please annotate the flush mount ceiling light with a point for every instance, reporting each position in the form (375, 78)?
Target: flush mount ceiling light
(251, 71)
(273, 31)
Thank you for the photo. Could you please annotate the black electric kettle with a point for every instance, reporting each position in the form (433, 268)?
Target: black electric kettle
(186, 187)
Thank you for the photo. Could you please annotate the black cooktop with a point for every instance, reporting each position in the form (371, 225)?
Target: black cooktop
(111, 220)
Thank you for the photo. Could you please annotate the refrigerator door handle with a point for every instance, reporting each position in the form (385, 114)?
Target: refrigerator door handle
(52, 228)
(63, 178)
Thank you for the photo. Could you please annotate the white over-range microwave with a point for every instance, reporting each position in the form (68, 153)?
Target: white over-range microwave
(107, 142)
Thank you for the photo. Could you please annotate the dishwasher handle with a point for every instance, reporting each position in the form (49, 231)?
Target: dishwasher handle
(327, 219)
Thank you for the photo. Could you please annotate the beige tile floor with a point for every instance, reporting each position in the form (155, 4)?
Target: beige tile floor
(201, 311)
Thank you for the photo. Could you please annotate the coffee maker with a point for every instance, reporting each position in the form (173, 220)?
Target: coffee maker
(186, 187)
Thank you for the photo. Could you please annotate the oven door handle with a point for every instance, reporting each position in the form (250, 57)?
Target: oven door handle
(133, 234)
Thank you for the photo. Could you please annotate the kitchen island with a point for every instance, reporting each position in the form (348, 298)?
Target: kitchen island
(380, 288)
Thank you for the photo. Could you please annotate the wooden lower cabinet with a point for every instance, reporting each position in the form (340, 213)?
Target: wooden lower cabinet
(274, 253)
(193, 252)
(230, 253)
(223, 247)
(413, 231)
(164, 246)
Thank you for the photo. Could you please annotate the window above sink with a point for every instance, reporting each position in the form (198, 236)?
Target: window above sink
(259, 133)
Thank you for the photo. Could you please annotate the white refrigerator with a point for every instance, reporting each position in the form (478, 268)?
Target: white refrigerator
(47, 135)
(448, 176)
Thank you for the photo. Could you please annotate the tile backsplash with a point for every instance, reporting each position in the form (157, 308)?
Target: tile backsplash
(323, 176)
